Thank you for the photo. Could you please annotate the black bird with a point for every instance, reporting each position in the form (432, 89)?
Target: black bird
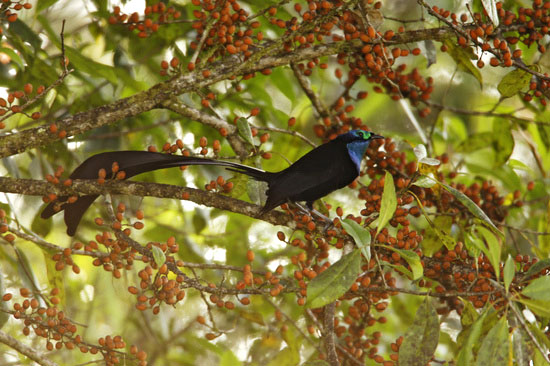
(322, 170)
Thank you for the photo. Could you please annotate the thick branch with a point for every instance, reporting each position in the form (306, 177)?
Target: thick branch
(91, 187)
(25, 350)
(154, 97)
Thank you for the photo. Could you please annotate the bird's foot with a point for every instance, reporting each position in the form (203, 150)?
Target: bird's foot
(312, 211)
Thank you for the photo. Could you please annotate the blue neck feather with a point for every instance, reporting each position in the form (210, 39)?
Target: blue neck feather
(356, 150)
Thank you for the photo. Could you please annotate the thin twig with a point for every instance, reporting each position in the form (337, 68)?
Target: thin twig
(318, 104)
(288, 132)
(291, 321)
(520, 319)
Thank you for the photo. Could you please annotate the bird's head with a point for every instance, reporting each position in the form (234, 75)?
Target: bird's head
(361, 136)
(357, 142)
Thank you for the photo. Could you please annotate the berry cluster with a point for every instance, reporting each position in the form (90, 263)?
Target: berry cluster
(10, 9)
(50, 323)
(528, 26)
(9, 107)
(153, 292)
(154, 16)
(228, 28)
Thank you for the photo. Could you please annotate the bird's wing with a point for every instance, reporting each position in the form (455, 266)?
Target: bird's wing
(313, 176)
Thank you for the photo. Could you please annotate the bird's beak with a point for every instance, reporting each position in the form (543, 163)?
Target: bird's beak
(373, 136)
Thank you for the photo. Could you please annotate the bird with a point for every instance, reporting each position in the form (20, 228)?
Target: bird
(326, 168)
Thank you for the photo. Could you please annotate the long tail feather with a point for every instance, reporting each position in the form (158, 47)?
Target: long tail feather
(132, 163)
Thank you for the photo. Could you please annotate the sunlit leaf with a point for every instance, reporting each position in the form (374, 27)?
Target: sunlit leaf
(425, 182)
(228, 358)
(334, 281)
(412, 259)
(493, 248)
(13, 57)
(471, 206)
(509, 272)
(158, 256)
(437, 235)
(538, 289)
(491, 9)
(244, 130)
(388, 204)
(360, 234)
(541, 308)
(463, 57)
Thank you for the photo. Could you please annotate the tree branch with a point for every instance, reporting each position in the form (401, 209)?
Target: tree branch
(328, 334)
(154, 97)
(232, 134)
(25, 350)
(91, 187)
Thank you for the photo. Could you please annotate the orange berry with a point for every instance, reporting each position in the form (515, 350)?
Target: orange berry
(250, 255)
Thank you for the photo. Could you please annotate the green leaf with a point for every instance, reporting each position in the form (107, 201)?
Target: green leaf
(491, 9)
(228, 358)
(43, 4)
(316, 363)
(474, 244)
(513, 82)
(471, 206)
(495, 349)
(399, 268)
(421, 339)
(360, 235)
(541, 308)
(425, 182)
(503, 141)
(158, 256)
(13, 56)
(244, 130)
(422, 156)
(493, 251)
(22, 31)
(537, 267)
(538, 289)
(285, 357)
(519, 165)
(334, 281)
(509, 272)
(412, 259)
(438, 235)
(95, 69)
(463, 57)
(388, 204)
(476, 142)
(465, 356)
